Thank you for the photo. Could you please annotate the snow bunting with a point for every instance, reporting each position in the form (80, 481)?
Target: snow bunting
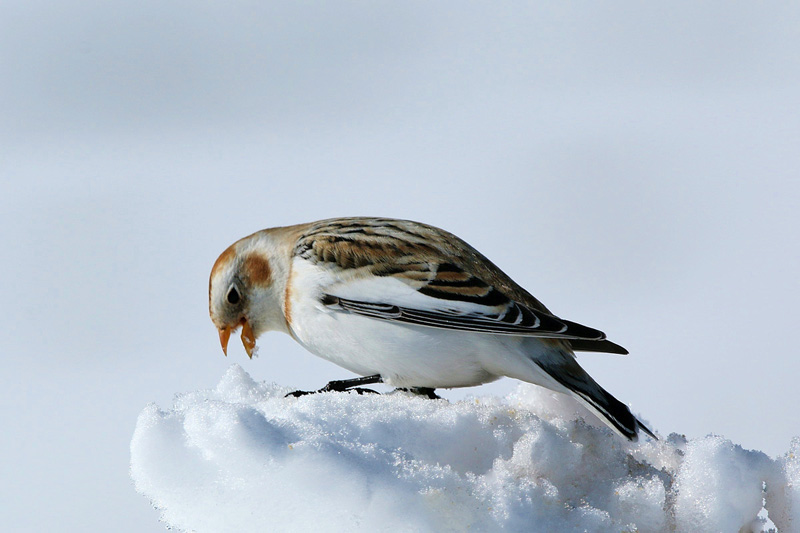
(406, 304)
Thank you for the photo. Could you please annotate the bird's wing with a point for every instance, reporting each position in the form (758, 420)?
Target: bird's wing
(454, 310)
(415, 274)
(531, 324)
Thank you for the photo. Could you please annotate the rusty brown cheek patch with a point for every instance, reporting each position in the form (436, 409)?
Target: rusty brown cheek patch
(257, 270)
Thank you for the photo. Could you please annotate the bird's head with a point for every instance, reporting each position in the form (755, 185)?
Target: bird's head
(245, 290)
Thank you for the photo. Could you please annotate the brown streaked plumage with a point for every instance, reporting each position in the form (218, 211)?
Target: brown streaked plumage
(434, 262)
(403, 245)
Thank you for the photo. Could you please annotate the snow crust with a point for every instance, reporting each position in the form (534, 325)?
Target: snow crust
(241, 457)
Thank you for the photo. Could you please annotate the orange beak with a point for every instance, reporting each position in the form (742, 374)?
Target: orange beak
(224, 335)
(248, 338)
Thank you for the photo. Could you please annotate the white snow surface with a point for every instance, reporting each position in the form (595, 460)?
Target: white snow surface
(242, 457)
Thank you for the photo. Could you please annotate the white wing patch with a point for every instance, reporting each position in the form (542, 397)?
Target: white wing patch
(390, 298)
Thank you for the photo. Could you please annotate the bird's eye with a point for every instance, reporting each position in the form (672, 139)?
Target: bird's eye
(233, 296)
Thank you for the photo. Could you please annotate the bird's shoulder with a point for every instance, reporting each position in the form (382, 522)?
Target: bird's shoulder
(429, 259)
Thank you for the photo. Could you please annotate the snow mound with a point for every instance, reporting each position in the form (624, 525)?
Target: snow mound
(241, 457)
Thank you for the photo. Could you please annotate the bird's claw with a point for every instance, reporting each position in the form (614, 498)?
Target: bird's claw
(298, 393)
(427, 392)
(343, 385)
(361, 390)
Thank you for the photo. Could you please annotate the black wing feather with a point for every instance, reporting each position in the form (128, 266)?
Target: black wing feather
(531, 324)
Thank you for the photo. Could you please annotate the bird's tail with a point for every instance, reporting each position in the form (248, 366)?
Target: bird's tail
(613, 412)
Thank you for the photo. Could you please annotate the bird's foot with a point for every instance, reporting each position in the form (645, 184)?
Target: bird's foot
(359, 390)
(343, 385)
(298, 393)
(422, 391)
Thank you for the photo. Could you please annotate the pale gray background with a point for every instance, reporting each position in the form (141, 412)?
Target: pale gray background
(635, 167)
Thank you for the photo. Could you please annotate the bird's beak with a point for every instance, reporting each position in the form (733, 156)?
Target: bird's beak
(248, 338)
(224, 335)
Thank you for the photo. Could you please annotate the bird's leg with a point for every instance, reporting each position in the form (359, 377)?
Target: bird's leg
(423, 391)
(352, 384)
(344, 385)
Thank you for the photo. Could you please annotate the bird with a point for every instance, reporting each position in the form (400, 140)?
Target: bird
(406, 304)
